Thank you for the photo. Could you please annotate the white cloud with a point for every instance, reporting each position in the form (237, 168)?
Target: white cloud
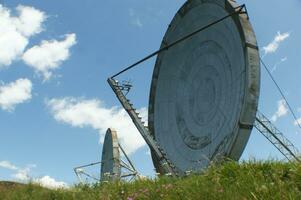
(49, 55)
(7, 165)
(20, 174)
(16, 30)
(92, 113)
(274, 45)
(48, 182)
(283, 59)
(23, 175)
(15, 93)
(30, 20)
(298, 121)
(281, 112)
(136, 22)
(134, 19)
(278, 63)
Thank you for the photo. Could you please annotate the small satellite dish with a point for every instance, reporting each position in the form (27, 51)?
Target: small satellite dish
(115, 164)
(204, 92)
(110, 163)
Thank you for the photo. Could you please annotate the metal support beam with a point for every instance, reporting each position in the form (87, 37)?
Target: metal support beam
(268, 130)
(165, 163)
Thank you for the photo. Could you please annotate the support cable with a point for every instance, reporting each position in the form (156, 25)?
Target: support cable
(281, 92)
(240, 8)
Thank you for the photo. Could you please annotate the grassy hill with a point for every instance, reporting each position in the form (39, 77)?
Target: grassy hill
(252, 180)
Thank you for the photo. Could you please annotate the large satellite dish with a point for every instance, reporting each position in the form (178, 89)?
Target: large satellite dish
(205, 90)
(110, 164)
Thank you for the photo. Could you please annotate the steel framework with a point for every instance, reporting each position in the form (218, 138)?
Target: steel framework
(166, 164)
(127, 167)
(269, 131)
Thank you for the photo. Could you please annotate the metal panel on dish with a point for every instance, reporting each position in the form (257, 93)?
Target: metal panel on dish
(204, 92)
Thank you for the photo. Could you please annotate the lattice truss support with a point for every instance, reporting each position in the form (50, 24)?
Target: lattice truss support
(166, 164)
(128, 170)
(269, 131)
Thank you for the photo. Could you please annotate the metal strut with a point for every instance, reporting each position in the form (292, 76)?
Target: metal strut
(268, 130)
(79, 171)
(129, 169)
(237, 10)
(164, 162)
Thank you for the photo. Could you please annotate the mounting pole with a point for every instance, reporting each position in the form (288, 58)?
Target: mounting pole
(268, 130)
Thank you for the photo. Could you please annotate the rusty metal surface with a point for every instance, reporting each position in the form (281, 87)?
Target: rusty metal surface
(205, 91)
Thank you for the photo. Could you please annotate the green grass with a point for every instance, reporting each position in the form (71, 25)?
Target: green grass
(251, 180)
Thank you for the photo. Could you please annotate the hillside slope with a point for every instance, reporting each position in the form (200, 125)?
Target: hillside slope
(252, 180)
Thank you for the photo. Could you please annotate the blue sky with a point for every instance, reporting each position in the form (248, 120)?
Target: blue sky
(55, 103)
